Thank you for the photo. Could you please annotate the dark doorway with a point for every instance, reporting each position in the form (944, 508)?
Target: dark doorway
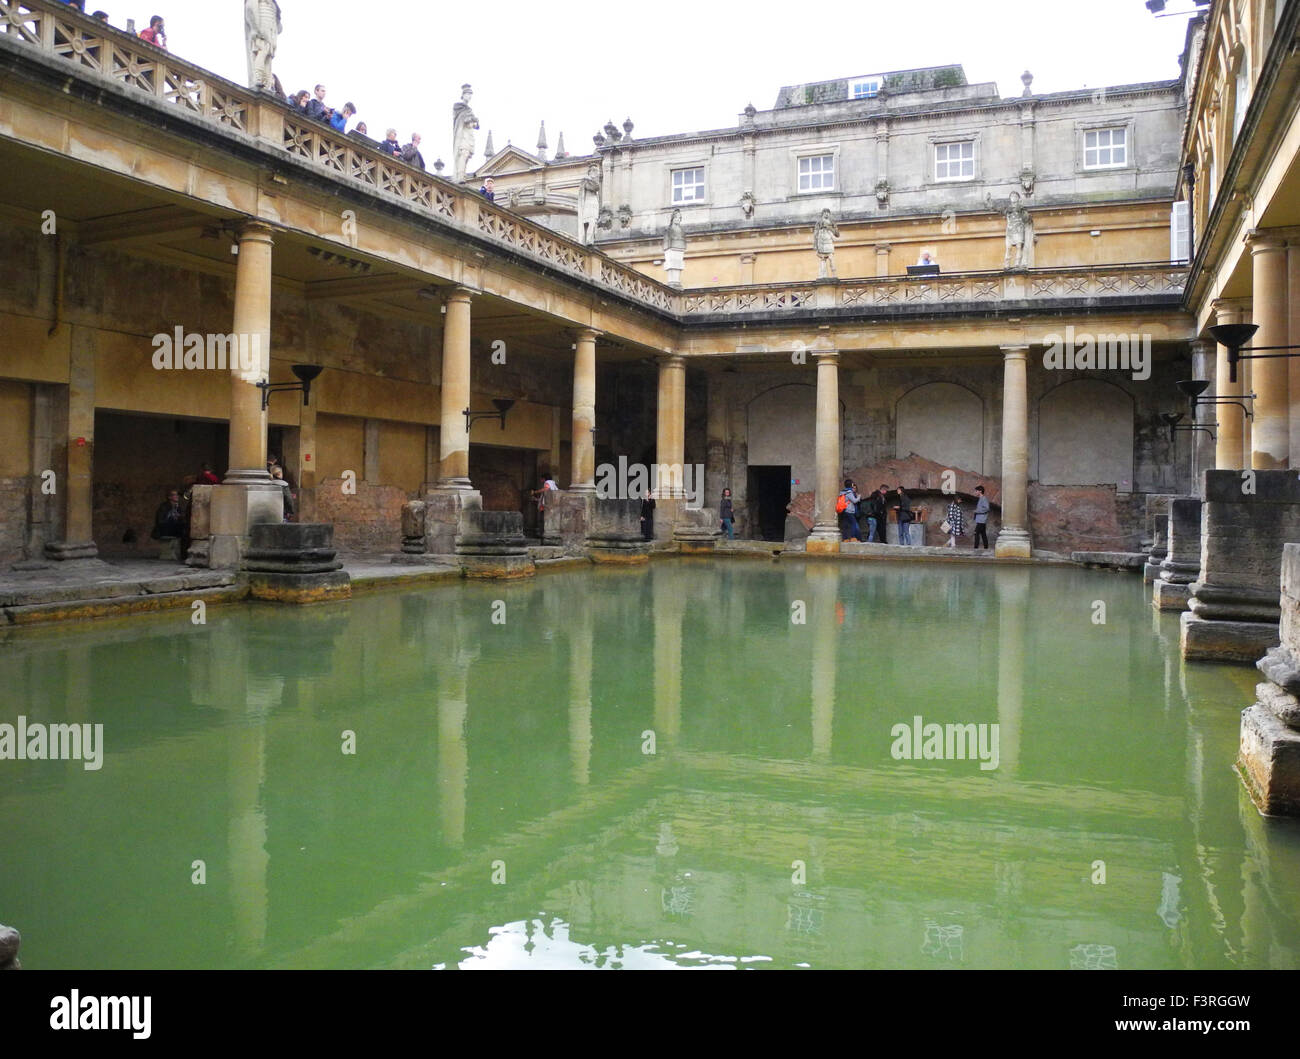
(505, 477)
(769, 493)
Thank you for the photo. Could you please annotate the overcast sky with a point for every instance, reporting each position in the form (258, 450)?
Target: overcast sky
(671, 67)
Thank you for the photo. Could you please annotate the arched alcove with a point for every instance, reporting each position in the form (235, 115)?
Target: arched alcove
(1085, 435)
(943, 422)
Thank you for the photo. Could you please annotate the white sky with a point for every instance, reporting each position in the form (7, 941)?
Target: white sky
(672, 67)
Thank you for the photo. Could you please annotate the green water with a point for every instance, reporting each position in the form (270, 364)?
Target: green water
(501, 808)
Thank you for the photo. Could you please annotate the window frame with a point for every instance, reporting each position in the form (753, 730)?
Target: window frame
(702, 185)
(1111, 129)
(677, 165)
(1082, 128)
(872, 79)
(947, 142)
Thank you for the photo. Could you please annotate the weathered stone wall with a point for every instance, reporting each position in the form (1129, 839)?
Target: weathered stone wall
(368, 522)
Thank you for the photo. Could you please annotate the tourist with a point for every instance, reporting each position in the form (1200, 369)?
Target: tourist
(727, 514)
(361, 130)
(876, 516)
(486, 190)
(299, 100)
(981, 518)
(849, 516)
(905, 516)
(411, 152)
(80, 5)
(926, 258)
(277, 476)
(155, 34)
(206, 476)
(339, 119)
(648, 516)
(101, 15)
(316, 108)
(391, 144)
(956, 523)
(540, 497)
(169, 520)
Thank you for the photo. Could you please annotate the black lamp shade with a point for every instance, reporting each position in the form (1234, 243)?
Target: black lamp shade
(306, 372)
(1233, 336)
(1193, 388)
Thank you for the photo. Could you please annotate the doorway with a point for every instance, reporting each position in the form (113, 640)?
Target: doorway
(768, 495)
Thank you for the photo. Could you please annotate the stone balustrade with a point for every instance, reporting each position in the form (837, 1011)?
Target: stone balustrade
(97, 49)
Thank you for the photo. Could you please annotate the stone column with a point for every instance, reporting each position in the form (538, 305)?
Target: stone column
(1203, 355)
(1157, 534)
(78, 538)
(1233, 610)
(670, 444)
(1270, 436)
(582, 478)
(825, 536)
(453, 435)
(1182, 563)
(1013, 540)
(247, 496)
(882, 259)
(1293, 332)
(1229, 450)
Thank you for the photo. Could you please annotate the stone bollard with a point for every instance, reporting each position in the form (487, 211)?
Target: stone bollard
(1246, 518)
(10, 939)
(1182, 564)
(614, 532)
(1157, 528)
(1269, 757)
(413, 528)
(491, 545)
(293, 562)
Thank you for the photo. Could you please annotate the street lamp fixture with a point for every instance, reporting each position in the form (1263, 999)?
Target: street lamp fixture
(305, 372)
(1234, 337)
(503, 405)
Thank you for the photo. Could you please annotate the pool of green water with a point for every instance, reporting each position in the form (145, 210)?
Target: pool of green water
(690, 764)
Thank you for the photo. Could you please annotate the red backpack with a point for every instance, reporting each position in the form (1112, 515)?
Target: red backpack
(842, 504)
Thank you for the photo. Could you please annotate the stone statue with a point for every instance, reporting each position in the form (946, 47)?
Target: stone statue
(1027, 178)
(882, 193)
(605, 219)
(824, 236)
(747, 203)
(674, 249)
(262, 28)
(1020, 232)
(674, 237)
(463, 124)
(624, 216)
(589, 204)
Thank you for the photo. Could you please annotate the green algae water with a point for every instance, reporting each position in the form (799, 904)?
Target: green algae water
(691, 764)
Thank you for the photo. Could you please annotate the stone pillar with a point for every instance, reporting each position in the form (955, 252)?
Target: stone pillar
(1157, 534)
(670, 444)
(1269, 759)
(1182, 563)
(882, 259)
(1233, 609)
(715, 453)
(1203, 356)
(1270, 435)
(1229, 450)
(370, 451)
(825, 536)
(247, 496)
(1013, 540)
(582, 477)
(453, 435)
(1293, 333)
(304, 462)
(746, 268)
(78, 484)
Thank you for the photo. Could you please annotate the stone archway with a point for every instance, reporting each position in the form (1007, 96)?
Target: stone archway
(943, 422)
(1085, 435)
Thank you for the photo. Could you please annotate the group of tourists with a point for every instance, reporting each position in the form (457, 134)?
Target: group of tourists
(312, 105)
(849, 505)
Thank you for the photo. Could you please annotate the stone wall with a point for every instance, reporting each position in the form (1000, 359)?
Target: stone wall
(368, 522)
(13, 518)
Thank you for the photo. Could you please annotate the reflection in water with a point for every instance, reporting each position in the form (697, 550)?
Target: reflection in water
(521, 742)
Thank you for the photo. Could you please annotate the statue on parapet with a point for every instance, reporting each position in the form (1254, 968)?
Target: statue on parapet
(589, 204)
(674, 249)
(463, 124)
(1020, 231)
(824, 235)
(262, 29)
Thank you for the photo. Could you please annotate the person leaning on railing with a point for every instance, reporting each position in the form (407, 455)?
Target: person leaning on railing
(411, 152)
(155, 34)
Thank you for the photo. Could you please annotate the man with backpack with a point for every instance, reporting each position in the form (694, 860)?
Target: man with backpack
(846, 506)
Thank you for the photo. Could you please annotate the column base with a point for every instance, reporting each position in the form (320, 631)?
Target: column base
(1165, 595)
(442, 513)
(823, 540)
(62, 550)
(1216, 640)
(1013, 544)
(1269, 762)
(454, 485)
